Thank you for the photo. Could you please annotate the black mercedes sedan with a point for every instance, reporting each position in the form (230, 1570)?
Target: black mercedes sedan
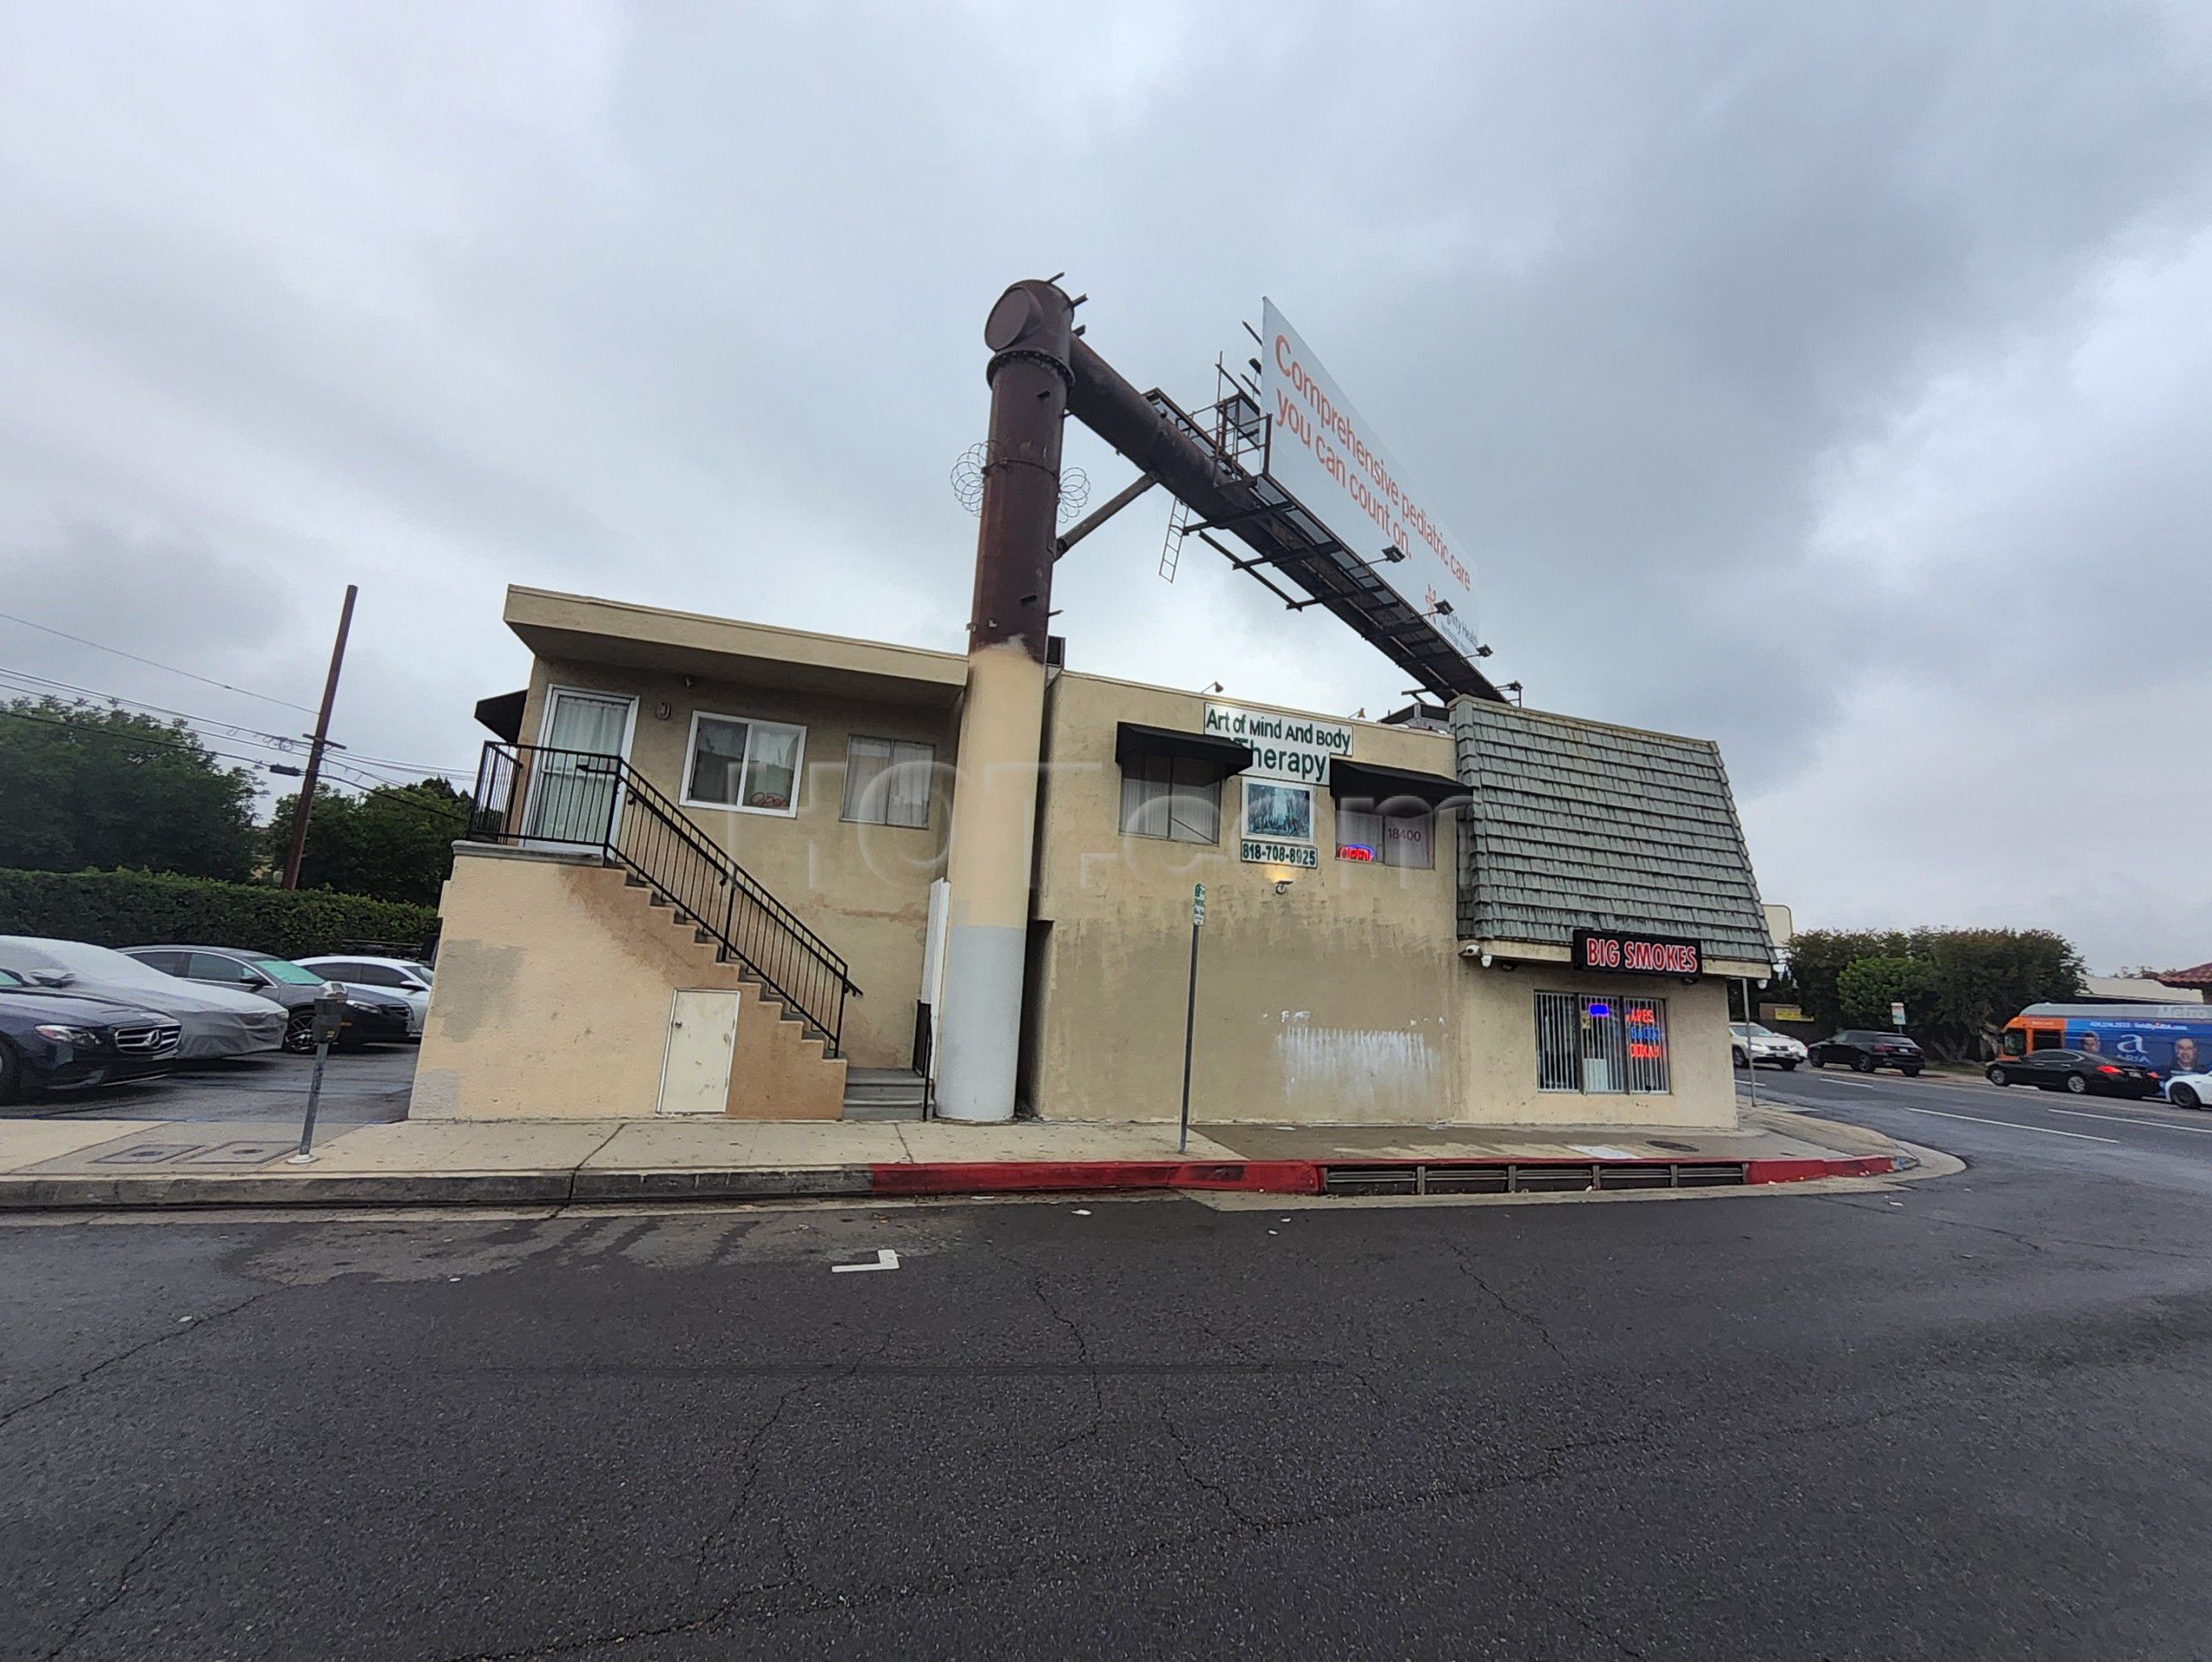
(51, 1040)
(2078, 1070)
(1865, 1050)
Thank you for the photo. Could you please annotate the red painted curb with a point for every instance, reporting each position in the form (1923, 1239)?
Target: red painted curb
(1264, 1176)
(1801, 1171)
(987, 1176)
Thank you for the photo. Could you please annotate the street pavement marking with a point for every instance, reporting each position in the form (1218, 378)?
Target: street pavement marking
(2124, 1119)
(888, 1259)
(2009, 1124)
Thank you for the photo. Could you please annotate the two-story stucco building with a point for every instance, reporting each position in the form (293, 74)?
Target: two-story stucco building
(707, 874)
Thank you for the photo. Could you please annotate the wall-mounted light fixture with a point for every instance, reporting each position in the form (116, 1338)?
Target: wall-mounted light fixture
(1393, 553)
(663, 710)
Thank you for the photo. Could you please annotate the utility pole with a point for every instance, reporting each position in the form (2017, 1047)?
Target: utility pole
(322, 738)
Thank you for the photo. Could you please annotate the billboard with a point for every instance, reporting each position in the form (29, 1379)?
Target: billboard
(2164, 1047)
(1323, 453)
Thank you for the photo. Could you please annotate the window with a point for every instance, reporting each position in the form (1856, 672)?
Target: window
(213, 966)
(284, 971)
(1402, 839)
(1174, 797)
(1603, 1045)
(750, 765)
(167, 963)
(888, 782)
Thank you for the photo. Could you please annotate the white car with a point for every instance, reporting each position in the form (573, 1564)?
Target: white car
(402, 978)
(1749, 1042)
(2190, 1090)
(216, 1020)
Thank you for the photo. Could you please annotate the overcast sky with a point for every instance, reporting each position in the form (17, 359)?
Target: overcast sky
(1833, 382)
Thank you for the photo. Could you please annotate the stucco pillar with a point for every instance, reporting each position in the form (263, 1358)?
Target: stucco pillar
(1002, 723)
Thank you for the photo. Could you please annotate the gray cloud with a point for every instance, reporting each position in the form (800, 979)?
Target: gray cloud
(1829, 383)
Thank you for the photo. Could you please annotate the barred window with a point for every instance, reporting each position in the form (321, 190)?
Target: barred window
(1602, 1046)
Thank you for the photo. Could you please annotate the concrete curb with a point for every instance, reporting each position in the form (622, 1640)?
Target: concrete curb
(585, 1187)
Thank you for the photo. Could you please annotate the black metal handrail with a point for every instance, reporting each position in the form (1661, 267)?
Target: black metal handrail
(534, 795)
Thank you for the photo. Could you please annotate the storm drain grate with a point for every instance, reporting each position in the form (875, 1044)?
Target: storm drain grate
(1549, 1177)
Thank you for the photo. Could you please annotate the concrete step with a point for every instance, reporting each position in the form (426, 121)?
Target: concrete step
(883, 1110)
(883, 1094)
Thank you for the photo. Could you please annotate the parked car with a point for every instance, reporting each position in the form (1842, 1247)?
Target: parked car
(1866, 1050)
(2190, 1090)
(51, 1041)
(1749, 1043)
(395, 977)
(370, 1018)
(2078, 1070)
(215, 1021)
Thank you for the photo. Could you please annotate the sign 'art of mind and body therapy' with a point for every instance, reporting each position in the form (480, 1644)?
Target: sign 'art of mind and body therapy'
(1290, 757)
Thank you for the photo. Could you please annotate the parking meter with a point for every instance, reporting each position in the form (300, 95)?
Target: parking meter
(329, 1013)
(329, 1017)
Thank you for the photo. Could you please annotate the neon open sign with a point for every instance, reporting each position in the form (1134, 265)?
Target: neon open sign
(1611, 949)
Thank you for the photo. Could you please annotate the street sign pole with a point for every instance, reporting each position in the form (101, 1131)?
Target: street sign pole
(1191, 1012)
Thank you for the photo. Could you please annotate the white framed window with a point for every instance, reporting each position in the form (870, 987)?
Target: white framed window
(1406, 840)
(1177, 798)
(888, 782)
(747, 766)
(1602, 1045)
(1277, 810)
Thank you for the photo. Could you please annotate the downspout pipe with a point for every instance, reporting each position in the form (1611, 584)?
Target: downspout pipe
(1030, 333)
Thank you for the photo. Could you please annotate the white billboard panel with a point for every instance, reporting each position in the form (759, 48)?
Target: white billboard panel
(1326, 456)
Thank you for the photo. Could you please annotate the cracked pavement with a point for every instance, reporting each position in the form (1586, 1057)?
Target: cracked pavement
(1953, 1418)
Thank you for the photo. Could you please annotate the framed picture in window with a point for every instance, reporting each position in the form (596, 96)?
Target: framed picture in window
(1277, 810)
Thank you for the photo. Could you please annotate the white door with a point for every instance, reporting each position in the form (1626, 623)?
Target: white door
(702, 1039)
(573, 797)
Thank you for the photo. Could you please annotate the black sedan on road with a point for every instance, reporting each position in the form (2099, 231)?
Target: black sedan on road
(50, 1040)
(2077, 1071)
(371, 1018)
(1864, 1051)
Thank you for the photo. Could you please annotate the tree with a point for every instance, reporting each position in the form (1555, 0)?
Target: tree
(1981, 979)
(394, 843)
(83, 787)
(1868, 986)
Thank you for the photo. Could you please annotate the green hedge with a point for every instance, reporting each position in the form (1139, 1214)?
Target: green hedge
(137, 908)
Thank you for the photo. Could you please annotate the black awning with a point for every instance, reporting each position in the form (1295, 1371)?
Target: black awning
(503, 715)
(1131, 740)
(1361, 782)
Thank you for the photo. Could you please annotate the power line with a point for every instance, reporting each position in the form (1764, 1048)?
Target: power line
(98, 645)
(239, 731)
(43, 683)
(131, 738)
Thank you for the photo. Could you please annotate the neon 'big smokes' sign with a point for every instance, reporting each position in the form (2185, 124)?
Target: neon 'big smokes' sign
(1608, 949)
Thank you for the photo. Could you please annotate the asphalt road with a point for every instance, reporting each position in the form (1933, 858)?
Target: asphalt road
(1963, 1417)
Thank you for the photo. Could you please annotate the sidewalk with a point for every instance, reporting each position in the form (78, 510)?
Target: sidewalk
(51, 1163)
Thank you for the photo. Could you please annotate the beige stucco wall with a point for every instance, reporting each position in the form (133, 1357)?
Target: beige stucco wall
(1342, 1000)
(863, 888)
(554, 992)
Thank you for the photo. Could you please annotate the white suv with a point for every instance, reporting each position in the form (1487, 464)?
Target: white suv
(1749, 1042)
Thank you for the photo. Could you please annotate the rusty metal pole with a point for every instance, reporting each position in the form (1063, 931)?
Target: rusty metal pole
(1030, 333)
(315, 751)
